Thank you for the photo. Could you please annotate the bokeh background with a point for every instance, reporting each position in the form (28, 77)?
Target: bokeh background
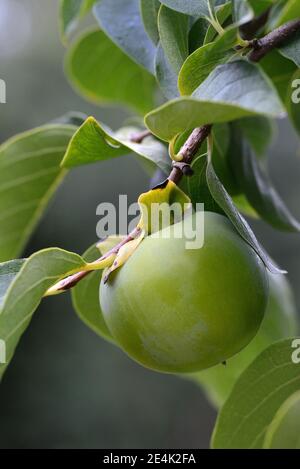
(66, 388)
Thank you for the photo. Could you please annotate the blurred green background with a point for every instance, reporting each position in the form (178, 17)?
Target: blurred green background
(66, 388)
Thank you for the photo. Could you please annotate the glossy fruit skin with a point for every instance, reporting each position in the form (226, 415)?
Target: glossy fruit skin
(179, 310)
(280, 321)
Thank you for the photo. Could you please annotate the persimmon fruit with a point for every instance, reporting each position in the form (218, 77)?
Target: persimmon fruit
(180, 310)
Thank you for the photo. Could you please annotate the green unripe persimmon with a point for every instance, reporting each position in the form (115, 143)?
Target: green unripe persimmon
(181, 310)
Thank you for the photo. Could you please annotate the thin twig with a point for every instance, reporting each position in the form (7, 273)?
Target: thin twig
(139, 137)
(276, 38)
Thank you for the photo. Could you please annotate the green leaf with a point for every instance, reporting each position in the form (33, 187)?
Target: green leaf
(293, 100)
(26, 290)
(290, 11)
(221, 86)
(222, 148)
(258, 131)
(103, 74)
(291, 49)
(197, 34)
(256, 185)
(173, 32)
(226, 150)
(260, 6)
(150, 148)
(71, 11)
(243, 206)
(85, 298)
(92, 143)
(223, 199)
(149, 12)
(218, 99)
(197, 187)
(279, 70)
(219, 3)
(241, 11)
(202, 62)
(191, 7)
(121, 20)
(273, 16)
(258, 394)
(29, 175)
(165, 75)
(8, 271)
(284, 430)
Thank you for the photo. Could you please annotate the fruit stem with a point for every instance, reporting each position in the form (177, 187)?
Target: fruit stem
(189, 150)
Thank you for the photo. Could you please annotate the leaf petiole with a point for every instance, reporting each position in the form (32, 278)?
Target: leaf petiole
(214, 20)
